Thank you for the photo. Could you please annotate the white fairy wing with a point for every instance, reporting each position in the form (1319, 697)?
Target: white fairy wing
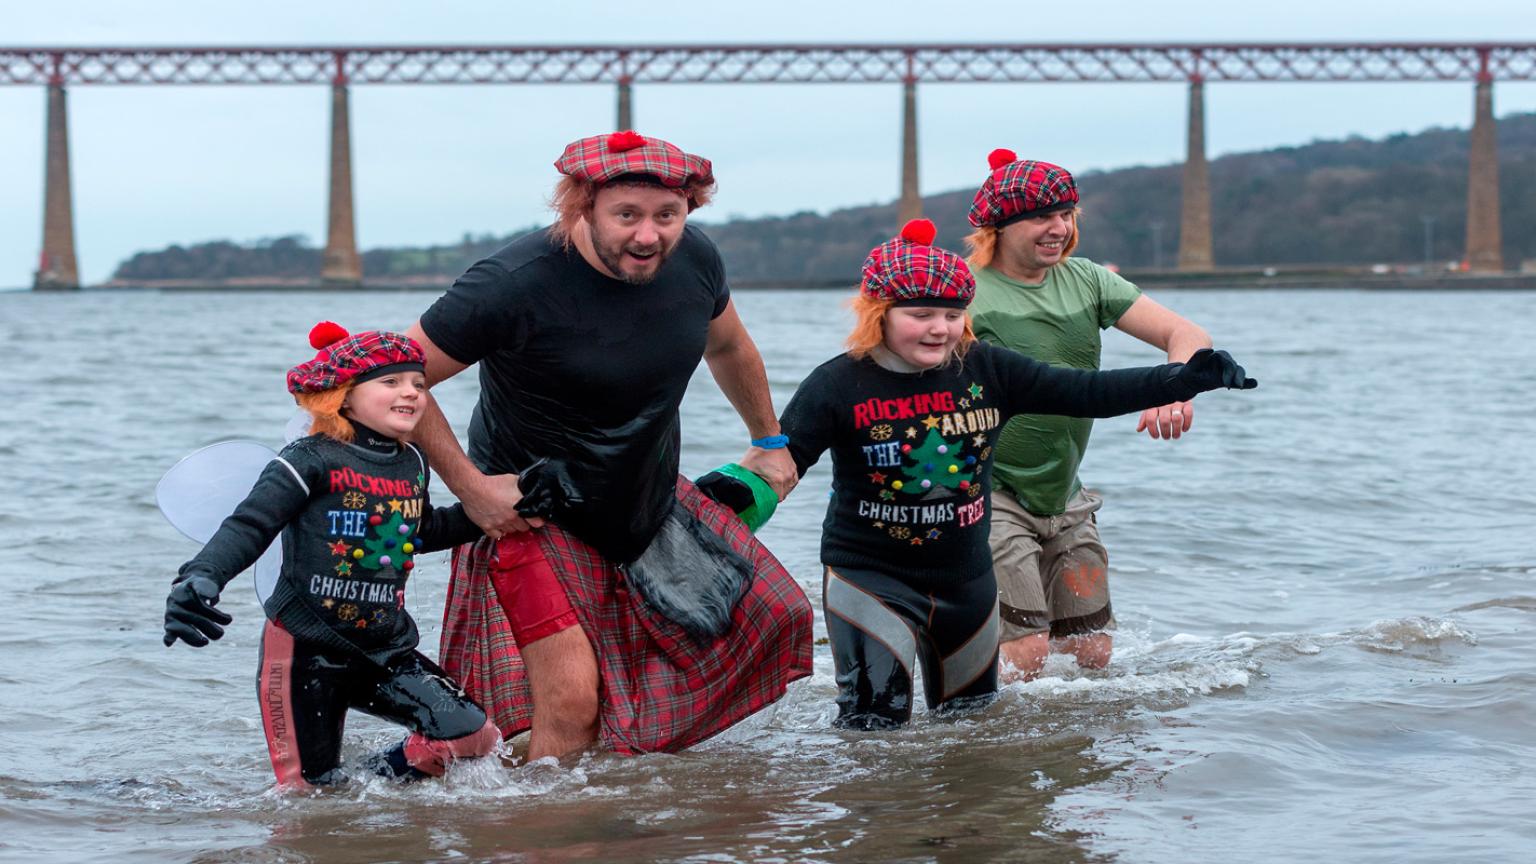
(298, 427)
(205, 487)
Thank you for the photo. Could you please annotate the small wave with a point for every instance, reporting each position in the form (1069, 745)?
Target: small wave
(1524, 604)
(1404, 634)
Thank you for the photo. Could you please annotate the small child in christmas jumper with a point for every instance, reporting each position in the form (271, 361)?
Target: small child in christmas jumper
(911, 413)
(350, 503)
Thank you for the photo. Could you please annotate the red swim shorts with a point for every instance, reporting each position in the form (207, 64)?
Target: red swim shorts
(528, 589)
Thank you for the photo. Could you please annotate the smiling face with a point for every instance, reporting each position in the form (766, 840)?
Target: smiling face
(390, 404)
(923, 336)
(634, 227)
(1027, 248)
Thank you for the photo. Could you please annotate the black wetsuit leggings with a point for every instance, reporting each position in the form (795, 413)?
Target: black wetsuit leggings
(306, 691)
(880, 626)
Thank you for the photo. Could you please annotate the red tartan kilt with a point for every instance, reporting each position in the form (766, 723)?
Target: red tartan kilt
(660, 689)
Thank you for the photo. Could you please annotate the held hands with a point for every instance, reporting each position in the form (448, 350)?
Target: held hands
(1213, 370)
(776, 466)
(189, 612)
(492, 504)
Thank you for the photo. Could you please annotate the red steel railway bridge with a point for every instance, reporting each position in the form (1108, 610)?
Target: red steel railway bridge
(625, 66)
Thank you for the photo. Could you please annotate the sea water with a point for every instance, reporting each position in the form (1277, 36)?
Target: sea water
(1324, 600)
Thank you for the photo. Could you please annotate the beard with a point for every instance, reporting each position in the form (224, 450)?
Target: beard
(611, 254)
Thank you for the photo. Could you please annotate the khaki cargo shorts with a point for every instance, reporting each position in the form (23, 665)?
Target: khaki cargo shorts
(1052, 571)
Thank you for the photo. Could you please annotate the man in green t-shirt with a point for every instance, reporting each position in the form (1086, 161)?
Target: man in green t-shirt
(1052, 570)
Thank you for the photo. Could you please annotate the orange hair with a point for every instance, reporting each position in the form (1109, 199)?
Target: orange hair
(325, 410)
(981, 244)
(869, 327)
(573, 200)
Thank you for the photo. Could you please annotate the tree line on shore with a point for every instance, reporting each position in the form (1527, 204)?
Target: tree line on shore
(1349, 202)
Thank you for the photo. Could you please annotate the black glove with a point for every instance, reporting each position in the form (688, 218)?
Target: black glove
(189, 612)
(1212, 370)
(548, 491)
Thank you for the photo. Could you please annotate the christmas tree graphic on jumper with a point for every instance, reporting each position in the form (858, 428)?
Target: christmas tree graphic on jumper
(936, 468)
(390, 544)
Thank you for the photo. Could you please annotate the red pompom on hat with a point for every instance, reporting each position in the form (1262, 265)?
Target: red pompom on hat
(357, 357)
(629, 139)
(920, 231)
(1000, 157)
(325, 333)
(602, 158)
(1018, 189)
(913, 272)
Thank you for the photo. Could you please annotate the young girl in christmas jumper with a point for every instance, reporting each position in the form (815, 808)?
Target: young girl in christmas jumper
(911, 413)
(350, 502)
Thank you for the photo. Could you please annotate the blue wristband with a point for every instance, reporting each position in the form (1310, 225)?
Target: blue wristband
(771, 442)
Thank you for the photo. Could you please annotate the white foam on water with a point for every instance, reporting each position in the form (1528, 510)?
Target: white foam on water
(1186, 664)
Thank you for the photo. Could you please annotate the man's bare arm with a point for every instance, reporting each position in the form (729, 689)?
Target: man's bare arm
(488, 500)
(737, 365)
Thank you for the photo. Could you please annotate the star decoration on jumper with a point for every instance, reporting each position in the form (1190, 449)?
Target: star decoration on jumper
(344, 568)
(980, 439)
(877, 478)
(882, 432)
(917, 541)
(911, 431)
(887, 495)
(394, 505)
(340, 547)
(879, 524)
(379, 507)
(931, 422)
(328, 603)
(934, 534)
(354, 500)
(974, 390)
(965, 403)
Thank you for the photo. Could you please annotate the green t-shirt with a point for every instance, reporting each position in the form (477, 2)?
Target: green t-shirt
(1057, 321)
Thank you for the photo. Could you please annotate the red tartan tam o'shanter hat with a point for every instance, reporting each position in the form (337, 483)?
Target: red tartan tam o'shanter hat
(910, 270)
(1018, 189)
(602, 158)
(345, 357)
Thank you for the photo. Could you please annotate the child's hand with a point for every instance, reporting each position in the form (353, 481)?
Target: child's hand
(189, 612)
(1212, 370)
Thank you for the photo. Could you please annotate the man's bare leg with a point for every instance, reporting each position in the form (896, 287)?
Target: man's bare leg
(1024, 657)
(562, 672)
(1092, 650)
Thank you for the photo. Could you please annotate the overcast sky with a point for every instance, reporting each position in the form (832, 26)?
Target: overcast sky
(159, 165)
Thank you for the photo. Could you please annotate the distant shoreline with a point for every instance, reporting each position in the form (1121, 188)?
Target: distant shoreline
(1222, 279)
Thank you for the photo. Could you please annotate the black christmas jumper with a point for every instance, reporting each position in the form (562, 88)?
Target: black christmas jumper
(909, 571)
(912, 452)
(352, 518)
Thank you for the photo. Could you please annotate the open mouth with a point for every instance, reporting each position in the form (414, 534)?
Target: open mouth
(642, 256)
(407, 410)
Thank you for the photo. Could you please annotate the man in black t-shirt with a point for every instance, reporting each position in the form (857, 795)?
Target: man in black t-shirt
(587, 334)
